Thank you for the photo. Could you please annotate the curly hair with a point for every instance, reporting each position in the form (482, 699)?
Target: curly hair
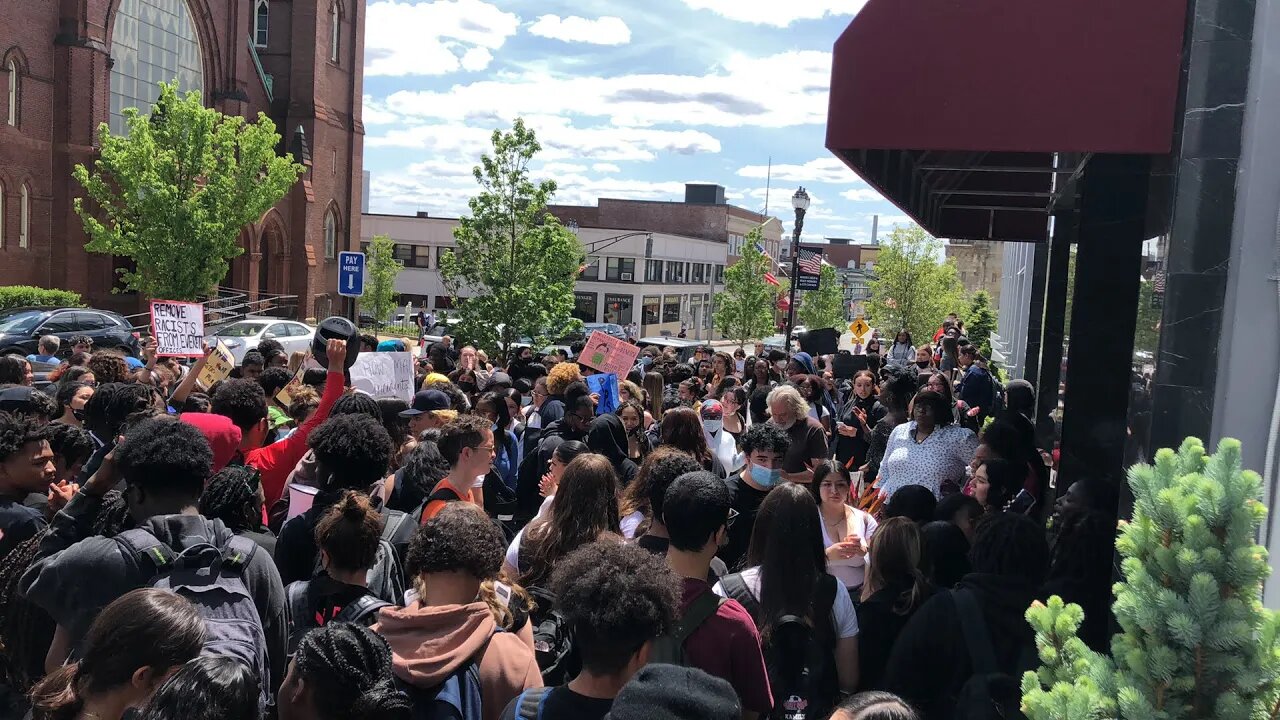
(166, 457)
(25, 628)
(253, 357)
(422, 469)
(616, 598)
(659, 469)
(356, 449)
(348, 668)
(790, 395)
(13, 370)
(70, 443)
(305, 399)
(357, 403)
(561, 375)
(767, 437)
(232, 497)
(273, 380)
(348, 532)
(109, 367)
(15, 433)
(243, 401)
(897, 386)
(459, 538)
(269, 348)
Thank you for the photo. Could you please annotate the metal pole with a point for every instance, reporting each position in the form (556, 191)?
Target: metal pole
(795, 271)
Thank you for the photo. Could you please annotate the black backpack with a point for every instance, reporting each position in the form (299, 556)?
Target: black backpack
(989, 693)
(360, 611)
(553, 646)
(800, 655)
(669, 648)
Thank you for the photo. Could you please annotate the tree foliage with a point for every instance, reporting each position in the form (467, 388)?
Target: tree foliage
(515, 263)
(1195, 641)
(1147, 332)
(174, 193)
(911, 289)
(980, 322)
(380, 284)
(824, 307)
(15, 296)
(744, 311)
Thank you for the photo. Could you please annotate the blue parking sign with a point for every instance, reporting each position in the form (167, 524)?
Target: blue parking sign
(351, 274)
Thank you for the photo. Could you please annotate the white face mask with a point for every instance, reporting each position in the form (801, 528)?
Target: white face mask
(712, 426)
(741, 364)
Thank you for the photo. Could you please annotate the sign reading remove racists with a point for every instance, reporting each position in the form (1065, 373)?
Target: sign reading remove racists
(178, 328)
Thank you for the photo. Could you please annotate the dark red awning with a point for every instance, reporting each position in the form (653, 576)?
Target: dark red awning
(963, 112)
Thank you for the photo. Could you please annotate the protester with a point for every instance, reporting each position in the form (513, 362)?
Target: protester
(15, 370)
(234, 496)
(894, 589)
(578, 416)
(721, 443)
(734, 402)
(765, 446)
(976, 388)
(858, 416)
(466, 444)
(641, 503)
(616, 600)
(654, 386)
(930, 450)
(127, 653)
(917, 503)
(701, 696)
(72, 397)
(342, 672)
(946, 554)
(454, 622)
(631, 413)
(71, 448)
(608, 437)
(26, 467)
(507, 452)
(903, 350)
(560, 459)
(717, 636)
(430, 409)
(682, 429)
(995, 483)
(207, 688)
(846, 531)
(874, 706)
(960, 510)
(808, 442)
(1084, 536)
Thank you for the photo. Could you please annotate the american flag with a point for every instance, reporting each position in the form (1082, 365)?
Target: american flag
(760, 248)
(772, 279)
(810, 262)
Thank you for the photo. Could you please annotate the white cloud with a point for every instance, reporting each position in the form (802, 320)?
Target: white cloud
(562, 167)
(862, 195)
(824, 170)
(434, 38)
(771, 12)
(606, 168)
(730, 95)
(889, 220)
(608, 30)
(376, 113)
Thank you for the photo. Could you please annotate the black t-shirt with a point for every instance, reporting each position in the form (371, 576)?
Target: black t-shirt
(746, 500)
(18, 523)
(561, 703)
(658, 546)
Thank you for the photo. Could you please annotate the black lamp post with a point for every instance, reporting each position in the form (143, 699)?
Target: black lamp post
(799, 201)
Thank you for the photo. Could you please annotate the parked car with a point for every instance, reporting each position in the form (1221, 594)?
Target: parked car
(612, 329)
(22, 328)
(244, 335)
(684, 348)
(436, 332)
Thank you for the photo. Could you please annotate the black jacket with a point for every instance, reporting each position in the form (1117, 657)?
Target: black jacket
(609, 438)
(878, 627)
(535, 465)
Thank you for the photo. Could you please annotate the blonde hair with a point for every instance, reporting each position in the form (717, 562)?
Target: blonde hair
(637, 393)
(561, 376)
(792, 397)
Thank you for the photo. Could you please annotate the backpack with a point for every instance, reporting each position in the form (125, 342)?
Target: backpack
(457, 698)
(528, 704)
(989, 693)
(552, 640)
(997, 395)
(386, 578)
(669, 648)
(500, 503)
(800, 656)
(302, 620)
(212, 578)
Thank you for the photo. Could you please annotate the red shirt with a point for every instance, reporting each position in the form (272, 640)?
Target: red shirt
(727, 645)
(277, 460)
(434, 507)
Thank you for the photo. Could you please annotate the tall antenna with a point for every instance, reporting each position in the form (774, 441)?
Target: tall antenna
(768, 182)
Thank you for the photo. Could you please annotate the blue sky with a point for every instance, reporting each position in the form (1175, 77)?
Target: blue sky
(629, 100)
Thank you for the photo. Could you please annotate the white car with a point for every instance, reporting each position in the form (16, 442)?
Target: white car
(241, 337)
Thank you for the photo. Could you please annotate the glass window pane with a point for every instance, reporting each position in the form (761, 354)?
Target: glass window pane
(651, 309)
(617, 309)
(584, 306)
(671, 308)
(153, 41)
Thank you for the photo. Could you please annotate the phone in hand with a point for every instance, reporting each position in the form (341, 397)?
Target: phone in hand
(1022, 503)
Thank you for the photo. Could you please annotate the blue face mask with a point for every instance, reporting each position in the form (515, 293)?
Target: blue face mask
(645, 361)
(764, 477)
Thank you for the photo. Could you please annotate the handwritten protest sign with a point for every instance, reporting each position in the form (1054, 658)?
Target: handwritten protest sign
(608, 354)
(217, 368)
(384, 375)
(178, 328)
(286, 396)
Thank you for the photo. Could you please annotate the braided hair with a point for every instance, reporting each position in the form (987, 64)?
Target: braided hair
(348, 668)
(357, 403)
(25, 628)
(1010, 544)
(232, 497)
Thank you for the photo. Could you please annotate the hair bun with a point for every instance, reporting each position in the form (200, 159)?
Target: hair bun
(355, 506)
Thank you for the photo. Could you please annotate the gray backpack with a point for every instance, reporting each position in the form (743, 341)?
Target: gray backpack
(212, 579)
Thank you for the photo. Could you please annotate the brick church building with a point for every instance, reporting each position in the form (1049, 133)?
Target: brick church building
(68, 65)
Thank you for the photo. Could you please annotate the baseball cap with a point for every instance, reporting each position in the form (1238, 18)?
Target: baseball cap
(427, 401)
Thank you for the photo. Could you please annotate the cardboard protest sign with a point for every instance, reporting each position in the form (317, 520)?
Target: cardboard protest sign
(384, 375)
(606, 386)
(178, 328)
(217, 368)
(608, 354)
(286, 395)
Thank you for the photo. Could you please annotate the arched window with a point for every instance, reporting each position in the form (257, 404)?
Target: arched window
(152, 41)
(24, 217)
(335, 32)
(330, 233)
(261, 18)
(12, 69)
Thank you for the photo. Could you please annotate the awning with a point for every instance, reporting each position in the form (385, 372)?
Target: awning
(962, 112)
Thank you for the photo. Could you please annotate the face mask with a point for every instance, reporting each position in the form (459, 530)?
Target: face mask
(741, 364)
(645, 361)
(781, 365)
(526, 401)
(712, 426)
(764, 477)
(78, 414)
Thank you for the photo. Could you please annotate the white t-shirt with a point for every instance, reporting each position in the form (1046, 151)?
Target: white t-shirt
(513, 552)
(630, 523)
(842, 613)
(850, 571)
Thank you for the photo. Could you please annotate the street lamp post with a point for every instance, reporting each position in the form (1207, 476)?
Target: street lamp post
(799, 201)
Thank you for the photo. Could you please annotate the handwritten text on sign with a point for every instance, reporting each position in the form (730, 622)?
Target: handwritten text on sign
(384, 375)
(178, 328)
(609, 354)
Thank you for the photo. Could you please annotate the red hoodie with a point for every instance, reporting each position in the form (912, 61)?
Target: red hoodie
(277, 460)
(223, 435)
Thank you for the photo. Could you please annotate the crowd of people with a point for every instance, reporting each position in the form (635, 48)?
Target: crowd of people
(746, 534)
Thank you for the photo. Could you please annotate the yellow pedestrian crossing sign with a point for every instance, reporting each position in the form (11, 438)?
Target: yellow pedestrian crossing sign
(859, 327)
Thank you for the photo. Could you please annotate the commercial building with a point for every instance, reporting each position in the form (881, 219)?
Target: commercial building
(979, 263)
(67, 67)
(662, 281)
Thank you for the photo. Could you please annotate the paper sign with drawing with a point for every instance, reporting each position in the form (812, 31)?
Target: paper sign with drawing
(608, 354)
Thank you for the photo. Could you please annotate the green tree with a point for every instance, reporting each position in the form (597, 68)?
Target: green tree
(1147, 333)
(515, 262)
(1195, 641)
(911, 289)
(744, 311)
(174, 193)
(824, 307)
(980, 322)
(380, 283)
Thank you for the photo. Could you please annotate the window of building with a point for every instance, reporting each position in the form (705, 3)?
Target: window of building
(584, 306)
(675, 272)
(653, 271)
(671, 308)
(421, 257)
(330, 234)
(592, 270)
(617, 309)
(12, 69)
(440, 251)
(403, 253)
(699, 274)
(335, 30)
(261, 17)
(153, 41)
(24, 217)
(620, 269)
(719, 274)
(444, 302)
(650, 308)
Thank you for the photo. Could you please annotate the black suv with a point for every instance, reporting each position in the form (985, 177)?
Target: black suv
(22, 328)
